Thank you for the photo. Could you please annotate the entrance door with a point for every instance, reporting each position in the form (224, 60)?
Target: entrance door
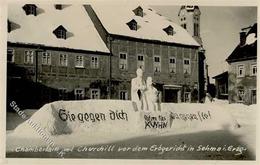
(171, 95)
(253, 96)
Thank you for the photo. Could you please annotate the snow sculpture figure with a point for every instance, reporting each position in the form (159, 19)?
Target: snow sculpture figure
(138, 87)
(152, 95)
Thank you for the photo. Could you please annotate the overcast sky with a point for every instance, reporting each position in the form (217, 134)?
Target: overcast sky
(220, 27)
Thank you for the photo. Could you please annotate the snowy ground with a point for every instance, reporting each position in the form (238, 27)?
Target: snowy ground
(196, 135)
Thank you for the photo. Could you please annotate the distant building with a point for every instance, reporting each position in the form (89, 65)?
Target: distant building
(139, 37)
(221, 84)
(243, 68)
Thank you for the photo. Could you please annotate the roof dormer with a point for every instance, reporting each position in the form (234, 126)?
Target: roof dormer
(139, 11)
(30, 9)
(60, 32)
(169, 30)
(58, 6)
(132, 24)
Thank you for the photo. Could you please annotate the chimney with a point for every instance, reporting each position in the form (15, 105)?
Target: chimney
(242, 38)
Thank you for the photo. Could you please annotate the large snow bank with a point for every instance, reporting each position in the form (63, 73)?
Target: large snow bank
(115, 118)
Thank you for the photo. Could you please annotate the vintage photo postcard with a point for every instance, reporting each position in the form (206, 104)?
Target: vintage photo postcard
(130, 81)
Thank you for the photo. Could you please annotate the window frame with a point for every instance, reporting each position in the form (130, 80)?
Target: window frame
(123, 61)
(238, 96)
(46, 62)
(252, 66)
(140, 62)
(172, 66)
(13, 55)
(238, 70)
(94, 64)
(31, 58)
(79, 61)
(156, 64)
(126, 94)
(76, 94)
(66, 60)
(186, 66)
(91, 93)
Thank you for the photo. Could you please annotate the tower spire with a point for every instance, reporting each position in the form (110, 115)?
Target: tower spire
(189, 18)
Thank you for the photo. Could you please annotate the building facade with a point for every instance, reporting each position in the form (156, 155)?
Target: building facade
(174, 65)
(54, 59)
(243, 68)
(59, 59)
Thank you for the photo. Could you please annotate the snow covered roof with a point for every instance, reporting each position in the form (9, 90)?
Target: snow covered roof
(150, 26)
(30, 29)
(248, 50)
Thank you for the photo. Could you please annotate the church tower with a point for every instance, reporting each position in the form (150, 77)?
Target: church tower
(189, 18)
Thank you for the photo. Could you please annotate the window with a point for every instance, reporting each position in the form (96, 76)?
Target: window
(58, 6)
(138, 11)
(172, 65)
(63, 60)
(30, 9)
(157, 64)
(140, 61)
(186, 66)
(60, 32)
(240, 71)
(123, 95)
(46, 58)
(196, 29)
(132, 24)
(187, 97)
(169, 30)
(94, 93)
(79, 62)
(253, 70)
(10, 55)
(28, 57)
(241, 95)
(123, 61)
(184, 26)
(79, 94)
(63, 95)
(94, 62)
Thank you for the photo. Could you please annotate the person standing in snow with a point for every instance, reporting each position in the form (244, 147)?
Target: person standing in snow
(138, 87)
(208, 98)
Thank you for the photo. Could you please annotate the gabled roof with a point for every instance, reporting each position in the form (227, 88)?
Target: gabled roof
(38, 29)
(249, 50)
(151, 25)
(188, 8)
(221, 75)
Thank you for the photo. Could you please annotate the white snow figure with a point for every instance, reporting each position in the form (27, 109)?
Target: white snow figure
(151, 94)
(138, 87)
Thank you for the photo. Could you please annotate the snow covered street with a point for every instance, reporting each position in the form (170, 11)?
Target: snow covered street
(229, 133)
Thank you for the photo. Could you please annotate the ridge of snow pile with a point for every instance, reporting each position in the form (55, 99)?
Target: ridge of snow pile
(48, 119)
